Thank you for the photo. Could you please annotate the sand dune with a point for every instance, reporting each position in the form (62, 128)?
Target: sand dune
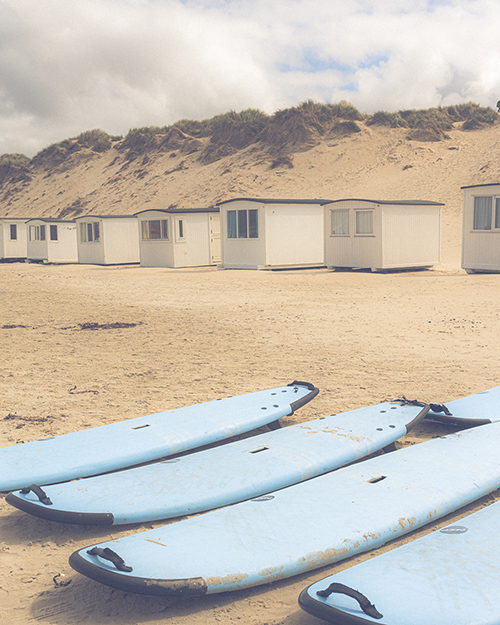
(376, 163)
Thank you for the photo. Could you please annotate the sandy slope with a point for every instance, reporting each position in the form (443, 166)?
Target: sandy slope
(377, 163)
(202, 334)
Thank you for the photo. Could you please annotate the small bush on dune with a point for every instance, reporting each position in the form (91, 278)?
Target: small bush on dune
(319, 114)
(89, 137)
(16, 160)
(345, 110)
(97, 140)
(194, 128)
(140, 137)
(459, 112)
(295, 128)
(344, 128)
(208, 127)
(299, 128)
(248, 117)
(382, 118)
(438, 118)
(432, 118)
(480, 117)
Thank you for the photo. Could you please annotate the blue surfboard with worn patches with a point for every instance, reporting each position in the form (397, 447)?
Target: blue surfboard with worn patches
(305, 526)
(477, 409)
(448, 577)
(223, 475)
(127, 443)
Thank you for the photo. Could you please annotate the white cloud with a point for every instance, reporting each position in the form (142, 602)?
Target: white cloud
(66, 67)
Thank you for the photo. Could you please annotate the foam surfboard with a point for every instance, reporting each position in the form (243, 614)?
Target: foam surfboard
(126, 443)
(477, 409)
(448, 577)
(305, 526)
(223, 475)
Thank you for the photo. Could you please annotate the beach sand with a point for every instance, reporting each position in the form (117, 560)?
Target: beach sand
(200, 334)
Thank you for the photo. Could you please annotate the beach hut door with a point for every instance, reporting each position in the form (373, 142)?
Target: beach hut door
(215, 238)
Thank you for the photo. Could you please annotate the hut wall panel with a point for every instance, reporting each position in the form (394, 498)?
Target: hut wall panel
(121, 240)
(480, 249)
(403, 236)
(215, 242)
(91, 253)
(17, 248)
(158, 253)
(243, 253)
(410, 236)
(194, 251)
(65, 249)
(294, 234)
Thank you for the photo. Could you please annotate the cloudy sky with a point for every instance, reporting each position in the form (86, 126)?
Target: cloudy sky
(69, 66)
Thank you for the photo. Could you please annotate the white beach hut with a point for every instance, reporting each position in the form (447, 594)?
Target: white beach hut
(175, 237)
(382, 234)
(13, 238)
(481, 228)
(108, 239)
(272, 234)
(52, 240)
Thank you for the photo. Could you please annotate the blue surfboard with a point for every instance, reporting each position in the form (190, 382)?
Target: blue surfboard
(127, 443)
(305, 526)
(223, 475)
(477, 409)
(448, 577)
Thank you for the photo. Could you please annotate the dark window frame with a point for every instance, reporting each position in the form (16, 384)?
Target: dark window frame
(243, 223)
(152, 232)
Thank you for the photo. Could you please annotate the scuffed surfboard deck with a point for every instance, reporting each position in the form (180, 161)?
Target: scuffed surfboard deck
(448, 577)
(223, 475)
(126, 443)
(305, 526)
(477, 409)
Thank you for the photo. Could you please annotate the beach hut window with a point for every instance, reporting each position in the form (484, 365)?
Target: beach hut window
(231, 224)
(340, 222)
(164, 229)
(53, 233)
(364, 222)
(37, 233)
(497, 213)
(243, 224)
(90, 232)
(13, 232)
(154, 230)
(253, 223)
(483, 208)
(180, 230)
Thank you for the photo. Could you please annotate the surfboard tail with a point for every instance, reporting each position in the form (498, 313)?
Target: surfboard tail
(189, 587)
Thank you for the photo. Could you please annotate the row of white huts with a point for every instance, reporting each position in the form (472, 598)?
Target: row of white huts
(255, 233)
(160, 238)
